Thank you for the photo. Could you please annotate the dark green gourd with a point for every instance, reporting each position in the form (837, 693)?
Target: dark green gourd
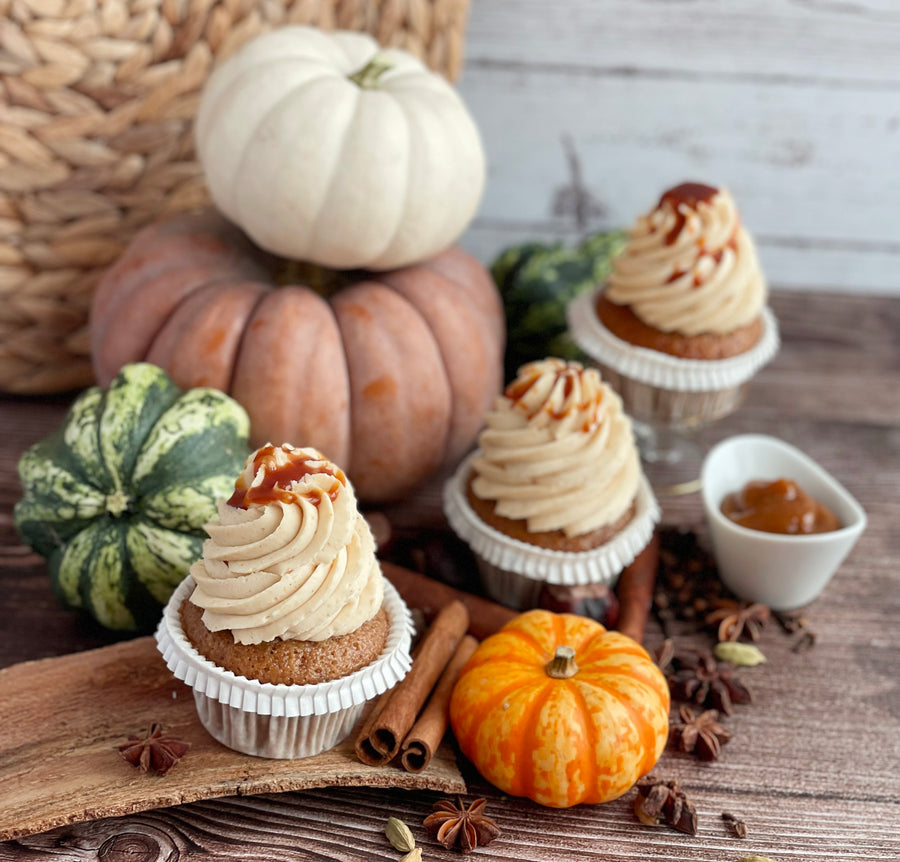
(117, 497)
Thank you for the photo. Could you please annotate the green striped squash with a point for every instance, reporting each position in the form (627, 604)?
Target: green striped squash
(116, 498)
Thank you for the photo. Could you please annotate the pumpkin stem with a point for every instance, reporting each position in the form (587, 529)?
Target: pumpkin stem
(368, 77)
(325, 282)
(117, 503)
(562, 665)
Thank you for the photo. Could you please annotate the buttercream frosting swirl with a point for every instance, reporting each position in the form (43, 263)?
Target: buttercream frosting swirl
(558, 451)
(690, 266)
(289, 556)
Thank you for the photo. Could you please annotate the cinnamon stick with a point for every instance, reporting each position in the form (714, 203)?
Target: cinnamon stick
(381, 735)
(635, 591)
(429, 595)
(428, 731)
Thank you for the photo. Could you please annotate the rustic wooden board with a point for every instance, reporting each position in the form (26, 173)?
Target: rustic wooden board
(814, 766)
(61, 720)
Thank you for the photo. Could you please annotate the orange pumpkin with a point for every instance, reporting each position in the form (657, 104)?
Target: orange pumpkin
(388, 373)
(556, 708)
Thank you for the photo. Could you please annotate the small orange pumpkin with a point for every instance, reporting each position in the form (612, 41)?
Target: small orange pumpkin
(557, 709)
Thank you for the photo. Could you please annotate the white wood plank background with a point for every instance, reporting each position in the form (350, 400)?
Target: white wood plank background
(792, 104)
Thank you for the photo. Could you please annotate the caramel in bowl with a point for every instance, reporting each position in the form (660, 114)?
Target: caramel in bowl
(780, 569)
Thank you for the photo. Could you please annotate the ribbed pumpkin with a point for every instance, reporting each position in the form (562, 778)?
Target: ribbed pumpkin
(117, 497)
(557, 709)
(389, 374)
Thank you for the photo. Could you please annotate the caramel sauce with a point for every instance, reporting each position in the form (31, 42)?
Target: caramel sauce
(781, 506)
(689, 195)
(715, 255)
(278, 478)
(518, 389)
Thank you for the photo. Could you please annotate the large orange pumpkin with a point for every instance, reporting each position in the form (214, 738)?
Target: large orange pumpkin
(388, 373)
(556, 708)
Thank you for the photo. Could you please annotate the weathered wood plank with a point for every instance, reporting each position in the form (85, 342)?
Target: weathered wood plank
(794, 106)
(61, 720)
(813, 765)
(827, 43)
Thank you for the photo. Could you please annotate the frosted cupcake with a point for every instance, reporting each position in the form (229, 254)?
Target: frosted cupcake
(682, 323)
(287, 626)
(555, 493)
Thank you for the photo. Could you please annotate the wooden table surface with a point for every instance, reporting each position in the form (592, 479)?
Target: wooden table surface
(814, 764)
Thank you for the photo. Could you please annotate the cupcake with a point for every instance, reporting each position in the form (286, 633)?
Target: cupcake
(682, 323)
(555, 493)
(286, 626)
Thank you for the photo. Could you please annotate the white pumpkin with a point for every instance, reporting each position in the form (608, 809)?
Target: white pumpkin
(325, 147)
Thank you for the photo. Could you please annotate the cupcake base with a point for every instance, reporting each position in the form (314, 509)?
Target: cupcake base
(514, 572)
(276, 720)
(622, 322)
(663, 389)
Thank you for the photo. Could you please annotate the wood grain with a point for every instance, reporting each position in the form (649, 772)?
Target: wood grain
(814, 765)
(61, 720)
(792, 105)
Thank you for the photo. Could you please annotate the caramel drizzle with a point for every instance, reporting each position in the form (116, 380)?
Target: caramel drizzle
(689, 195)
(278, 479)
(518, 390)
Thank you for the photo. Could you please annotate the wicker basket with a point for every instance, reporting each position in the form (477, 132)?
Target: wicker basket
(97, 99)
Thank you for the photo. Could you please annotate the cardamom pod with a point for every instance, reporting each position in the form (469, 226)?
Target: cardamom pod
(401, 838)
(414, 855)
(740, 654)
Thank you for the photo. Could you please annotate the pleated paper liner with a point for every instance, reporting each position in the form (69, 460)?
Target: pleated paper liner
(657, 369)
(513, 572)
(282, 721)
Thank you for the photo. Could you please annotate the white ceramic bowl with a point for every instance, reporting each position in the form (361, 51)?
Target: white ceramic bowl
(781, 571)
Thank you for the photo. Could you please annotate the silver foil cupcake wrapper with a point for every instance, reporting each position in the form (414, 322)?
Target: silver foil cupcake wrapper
(659, 369)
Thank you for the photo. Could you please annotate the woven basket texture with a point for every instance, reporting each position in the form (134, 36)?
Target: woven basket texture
(97, 100)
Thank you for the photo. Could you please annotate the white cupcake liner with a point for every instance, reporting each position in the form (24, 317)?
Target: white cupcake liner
(282, 721)
(659, 369)
(513, 572)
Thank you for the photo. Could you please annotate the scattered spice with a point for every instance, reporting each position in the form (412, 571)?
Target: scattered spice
(699, 678)
(414, 855)
(687, 582)
(400, 836)
(737, 826)
(791, 621)
(806, 641)
(454, 825)
(736, 619)
(153, 752)
(700, 733)
(664, 801)
(741, 655)
(665, 654)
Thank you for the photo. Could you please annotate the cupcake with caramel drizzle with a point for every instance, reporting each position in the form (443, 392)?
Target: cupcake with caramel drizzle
(555, 491)
(682, 323)
(286, 628)
(689, 282)
(289, 589)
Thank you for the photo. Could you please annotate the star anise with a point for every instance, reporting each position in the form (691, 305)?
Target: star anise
(456, 826)
(737, 619)
(665, 801)
(699, 678)
(154, 752)
(700, 733)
